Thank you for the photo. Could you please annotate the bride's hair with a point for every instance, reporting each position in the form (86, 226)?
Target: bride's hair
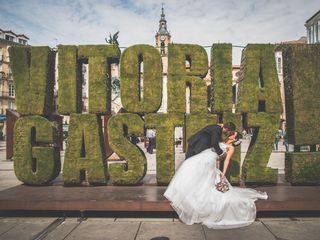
(237, 140)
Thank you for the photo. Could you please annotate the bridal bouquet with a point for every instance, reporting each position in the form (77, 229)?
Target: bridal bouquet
(222, 186)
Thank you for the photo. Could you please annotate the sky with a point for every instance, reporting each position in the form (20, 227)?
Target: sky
(203, 22)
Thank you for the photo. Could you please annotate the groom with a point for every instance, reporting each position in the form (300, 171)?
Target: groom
(209, 137)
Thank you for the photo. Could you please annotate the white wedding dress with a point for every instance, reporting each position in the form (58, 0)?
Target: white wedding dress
(193, 195)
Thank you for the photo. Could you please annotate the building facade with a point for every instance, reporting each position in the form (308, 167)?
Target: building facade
(7, 92)
(313, 28)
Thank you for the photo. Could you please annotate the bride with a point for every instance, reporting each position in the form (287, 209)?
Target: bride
(196, 199)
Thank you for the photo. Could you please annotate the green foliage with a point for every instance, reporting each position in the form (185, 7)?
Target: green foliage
(165, 125)
(301, 64)
(179, 77)
(130, 79)
(177, 94)
(33, 74)
(120, 127)
(70, 83)
(180, 53)
(303, 168)
(254, 168)
(221, 71)
(99, 58)
(35, 161)
(233, 173)
(85, 151)
(258, 62)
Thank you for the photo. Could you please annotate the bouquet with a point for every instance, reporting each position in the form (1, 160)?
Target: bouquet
(222, 186)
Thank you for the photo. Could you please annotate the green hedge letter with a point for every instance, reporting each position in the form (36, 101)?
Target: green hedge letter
(187, 65)
(120, 127)
(303, 168)
(36, 159)
(141, 87)
(70, 82)
(85, 151)
(99, 58)
(254, 169)
(259, 88)
(164, 124)
(301, 80)
(234, 168)
(221, 66)
(33, 74)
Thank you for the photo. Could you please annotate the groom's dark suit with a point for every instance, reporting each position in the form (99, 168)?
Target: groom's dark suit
(207, 137)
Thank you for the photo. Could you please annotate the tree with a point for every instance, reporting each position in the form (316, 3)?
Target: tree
(113, 39)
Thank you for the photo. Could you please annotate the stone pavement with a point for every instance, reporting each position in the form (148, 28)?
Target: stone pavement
(16, 228)
(153, 228)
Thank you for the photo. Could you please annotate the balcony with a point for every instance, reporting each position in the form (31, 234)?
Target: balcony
(4, 76)
(5, 95)
(4, 59)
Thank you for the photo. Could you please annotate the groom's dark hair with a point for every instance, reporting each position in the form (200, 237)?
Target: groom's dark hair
(230, 126)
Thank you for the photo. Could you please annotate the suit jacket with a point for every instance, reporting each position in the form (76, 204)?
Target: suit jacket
(206, 138)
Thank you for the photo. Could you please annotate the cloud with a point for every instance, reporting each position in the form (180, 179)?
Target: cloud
(203, 22)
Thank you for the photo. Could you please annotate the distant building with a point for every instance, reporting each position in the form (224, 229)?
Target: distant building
(313, 28)
(7, 93)
(235, 85)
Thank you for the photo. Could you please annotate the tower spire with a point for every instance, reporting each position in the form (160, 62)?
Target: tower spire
(162, 14)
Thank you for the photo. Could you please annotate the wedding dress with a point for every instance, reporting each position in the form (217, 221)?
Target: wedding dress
(193, 195)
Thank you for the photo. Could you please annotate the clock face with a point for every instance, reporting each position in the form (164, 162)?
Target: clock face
(162, 38)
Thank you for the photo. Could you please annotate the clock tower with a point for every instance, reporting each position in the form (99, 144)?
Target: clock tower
(163, 36)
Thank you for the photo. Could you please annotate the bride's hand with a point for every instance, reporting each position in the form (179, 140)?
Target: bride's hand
(222, 177)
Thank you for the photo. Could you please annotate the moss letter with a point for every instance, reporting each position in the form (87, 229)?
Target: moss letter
(70, 85)
(221, 66)
(259, 87)
(33, 74)
(254, 169)
(301, 80)
(35, 161)
(120, 127)
(187, 66)
(85, 151)
(100, 58)
(164, 124)
(133, 97)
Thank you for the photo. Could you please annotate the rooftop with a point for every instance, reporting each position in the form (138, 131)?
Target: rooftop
(12, 33)
(313, 16)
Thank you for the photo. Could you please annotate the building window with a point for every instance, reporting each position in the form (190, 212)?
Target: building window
(11, 90)
(22, 41)
(12, 105)
(9, 38)
(316, 32)
(279, 65)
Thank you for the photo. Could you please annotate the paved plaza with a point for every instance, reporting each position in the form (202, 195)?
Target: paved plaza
(149, 227)
(153, 228)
